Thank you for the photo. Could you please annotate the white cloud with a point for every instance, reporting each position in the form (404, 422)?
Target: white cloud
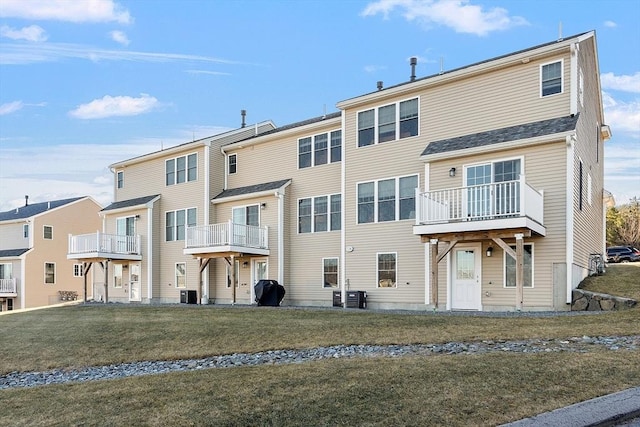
(623, 83)
(213, 73)
(374, 68)
(110, 106)
(610, 24)
(622, 116)
(459, 15)
(120, 37)
(65, 10)
(14, 53)
(32, 33)
(10, 107)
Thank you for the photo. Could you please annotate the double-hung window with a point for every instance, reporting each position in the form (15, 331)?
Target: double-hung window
(336, 146)
(551, 78)
(318, 214)
(386, 200)
(233, 163)
(330, 272)
(77, 270)
(387, 272)
(510, 267)
(181, 274)
(320, 149)
(181, 169)
(50, 273)
(176, 223)
(47, 232)
(25, 231)
(117, 275)
(394, 121)
(120, 179)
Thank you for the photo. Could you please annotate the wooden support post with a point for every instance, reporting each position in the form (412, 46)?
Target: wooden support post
(106, 281)
(434, 271)
(519, 271)
(233, 279)
(86, 266)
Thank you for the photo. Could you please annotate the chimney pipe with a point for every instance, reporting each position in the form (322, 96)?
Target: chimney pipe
(26, 200)
(243, 113)
(379, 84)
(413, 61)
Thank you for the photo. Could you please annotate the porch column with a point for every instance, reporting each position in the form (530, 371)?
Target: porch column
(233, 279)
(434, 271)
(519, 270)
(86, 266)
(106, 281)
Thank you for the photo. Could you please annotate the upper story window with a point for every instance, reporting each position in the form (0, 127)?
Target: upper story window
(120, 179)
(322, 213)
(320, 149)
(393, 121)
(181, 169)
(177, 222)
(25, 231)
(551, 78)
(233, 163)
(126, 226)
(387, 199)
(47, 232)
(246, 215)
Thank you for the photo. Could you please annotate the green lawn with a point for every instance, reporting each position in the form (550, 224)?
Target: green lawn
(437, 390)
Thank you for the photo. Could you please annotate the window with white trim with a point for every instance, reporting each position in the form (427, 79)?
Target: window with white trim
(510, 267)
(120, 179)
(233, 163)
(394, 121)
(117, 275)
(386, 200)
(25, 231)
(551, 78)
(47, 232)
(77, 270)
(181, 274)
(6, 271)
(176, 223)
(321, 213)
(50, 273)
(320, 149)
(387, 270)
(181, 169)
(330, 272)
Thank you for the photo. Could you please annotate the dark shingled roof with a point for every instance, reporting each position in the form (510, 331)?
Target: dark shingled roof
(252, 189)
(130, 203)
(34, 209)
(512, 133)
(292, 126)
(12, 252)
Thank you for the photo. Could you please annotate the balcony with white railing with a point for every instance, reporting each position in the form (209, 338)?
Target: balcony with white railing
(8, 288)
(480, 208)
(104, 246)
(226, 237)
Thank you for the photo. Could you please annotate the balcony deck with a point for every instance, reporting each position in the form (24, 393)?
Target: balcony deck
(217, 240)
(503, 206)
(96, 246)
(8, 288)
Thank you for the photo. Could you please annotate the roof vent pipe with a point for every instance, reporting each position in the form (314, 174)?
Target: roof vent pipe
(413, 61)
(26, 200)
(243, 113)
(379, 85)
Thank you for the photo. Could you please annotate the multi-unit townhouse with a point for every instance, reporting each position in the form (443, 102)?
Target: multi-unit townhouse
(479, 188)
(33, 242)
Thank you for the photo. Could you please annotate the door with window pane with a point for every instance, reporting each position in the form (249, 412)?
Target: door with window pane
(243, 216)
(125, 227)
(477, 192)
(465, 284)
(507, 189)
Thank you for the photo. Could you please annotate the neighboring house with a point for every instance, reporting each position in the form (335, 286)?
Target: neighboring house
(33, 243)
(479, 188)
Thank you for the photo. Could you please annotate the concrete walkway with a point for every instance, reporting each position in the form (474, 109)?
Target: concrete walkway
(610, 410)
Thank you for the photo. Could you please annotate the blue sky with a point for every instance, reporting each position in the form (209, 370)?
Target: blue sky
(87, 83)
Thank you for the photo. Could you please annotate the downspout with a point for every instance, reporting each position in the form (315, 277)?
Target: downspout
(343, 222)
(280, 197)
(427, 262)
(570, 140)
(204, 275)
(149, 253)
(573, 94)
(226, 167)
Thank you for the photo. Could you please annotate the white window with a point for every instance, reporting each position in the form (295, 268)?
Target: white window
(394, 121)
(493, 189)
(77, 270)
(246, 215)
(25, 231)
(120, 179)
(330, 272)
(387, 199)
(181, 169)
(322, 213)
(181, 275)
(6, 271)
(510, 267)
(551, 78)
(50, 273)
(47, 232)
(387, 271)
(117, 275)
(320, 149)
(177, 222)
(233, 163)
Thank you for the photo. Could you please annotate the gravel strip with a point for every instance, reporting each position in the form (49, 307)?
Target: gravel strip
(277, 357)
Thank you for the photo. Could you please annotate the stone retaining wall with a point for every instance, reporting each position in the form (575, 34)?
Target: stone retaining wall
(582, 300)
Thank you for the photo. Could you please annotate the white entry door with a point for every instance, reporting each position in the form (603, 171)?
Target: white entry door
(134, 282)
(259, 272)
(466, 290)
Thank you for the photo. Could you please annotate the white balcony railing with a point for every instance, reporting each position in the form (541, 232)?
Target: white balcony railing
(227, 234)
(8, 286)
(104, 243)
(480, 202)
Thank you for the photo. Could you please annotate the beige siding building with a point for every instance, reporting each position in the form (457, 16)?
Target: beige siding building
(479, 188)
(34, 270)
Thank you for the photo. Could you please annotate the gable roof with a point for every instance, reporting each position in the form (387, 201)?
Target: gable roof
(138, 201)
(511, 133)
(293, 125)
(252, 189)
(6, 253)
(35, 209)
